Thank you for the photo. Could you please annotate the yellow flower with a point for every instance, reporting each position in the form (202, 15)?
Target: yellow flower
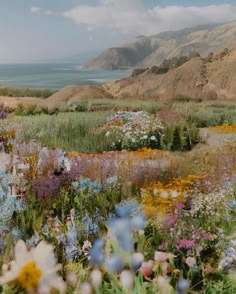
(35, 270)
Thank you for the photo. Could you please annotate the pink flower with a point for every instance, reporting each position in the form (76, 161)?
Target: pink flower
(179, 205)
(164, 245)
(146, 268)
(160, 256)
(185, 244)
(165, 267)
(206, 236)
(172, 219)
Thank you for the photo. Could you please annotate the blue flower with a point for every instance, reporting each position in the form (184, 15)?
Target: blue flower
(182, 286)
(114, 264)
(96, 252)
(120, 229)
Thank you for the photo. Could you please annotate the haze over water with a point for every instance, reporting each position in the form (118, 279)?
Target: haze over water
(53, 76)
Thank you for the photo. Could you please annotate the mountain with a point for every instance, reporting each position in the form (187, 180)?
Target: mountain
(212, 77)
(145, 51)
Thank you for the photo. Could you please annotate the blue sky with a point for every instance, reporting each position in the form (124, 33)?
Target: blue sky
(33, 30)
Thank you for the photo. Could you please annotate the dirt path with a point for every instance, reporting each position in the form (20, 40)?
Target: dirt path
(216, 139)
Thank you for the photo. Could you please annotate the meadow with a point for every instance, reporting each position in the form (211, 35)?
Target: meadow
(119, 197)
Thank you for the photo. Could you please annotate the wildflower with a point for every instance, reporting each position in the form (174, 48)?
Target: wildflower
(172, 219)
(182, 286)
(179, 205)
(185, 244)
(72, 279)
(146, 268)
(190, 261)
(163, 285)
(86, 288)
(127, 280)
(96, 277)
(114, 263)
(120, 229)
(138, 222)
(163, 245)
(174, 194)
(136, 261)
(153, 138)
(96, 253)
(164, 194)
(160, 256)
(35, 270)
(86, 246)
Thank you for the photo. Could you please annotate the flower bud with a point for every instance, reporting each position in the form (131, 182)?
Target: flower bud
(96, 278)
(86, 288)
(136, 261)
(127, 280)
(146, 268)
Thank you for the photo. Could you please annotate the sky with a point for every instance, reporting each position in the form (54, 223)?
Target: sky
(34, 30)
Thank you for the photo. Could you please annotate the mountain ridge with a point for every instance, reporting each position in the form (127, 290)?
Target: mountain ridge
(145, 51)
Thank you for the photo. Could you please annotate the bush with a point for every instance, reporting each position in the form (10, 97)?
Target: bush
(25, 92)
(19, 109)
(80, 106)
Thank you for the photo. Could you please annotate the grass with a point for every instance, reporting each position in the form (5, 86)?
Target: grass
(25, 92)
(70, 131)
(207, 113)
(151, 106)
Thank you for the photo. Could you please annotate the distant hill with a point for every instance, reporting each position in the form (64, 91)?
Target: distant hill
(145, 51)
(211, 77)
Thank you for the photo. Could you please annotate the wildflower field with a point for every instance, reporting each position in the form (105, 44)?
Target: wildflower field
(118, 202)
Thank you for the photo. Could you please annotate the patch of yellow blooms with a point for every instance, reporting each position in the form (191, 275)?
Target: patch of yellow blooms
(225, 128)
(160, 199)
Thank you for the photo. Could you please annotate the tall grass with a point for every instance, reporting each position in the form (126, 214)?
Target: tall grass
(70, 131)
(132, 104)
(25, 92)
(207, 113)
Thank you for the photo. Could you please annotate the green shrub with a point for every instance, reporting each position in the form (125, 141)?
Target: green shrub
(25, 92)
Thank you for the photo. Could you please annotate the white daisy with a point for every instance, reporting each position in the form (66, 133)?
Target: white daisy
(35, 269)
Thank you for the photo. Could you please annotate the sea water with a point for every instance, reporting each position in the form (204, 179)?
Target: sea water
(54, 76)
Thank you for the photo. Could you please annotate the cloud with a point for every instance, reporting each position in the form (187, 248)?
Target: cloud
(39, 10)
(36, 9)
(131, 16)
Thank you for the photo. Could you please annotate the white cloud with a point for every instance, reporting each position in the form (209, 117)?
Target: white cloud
(36, 9)
(39, 10)
(131, 16)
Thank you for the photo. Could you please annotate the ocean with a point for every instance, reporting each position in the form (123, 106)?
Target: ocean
(54, 76)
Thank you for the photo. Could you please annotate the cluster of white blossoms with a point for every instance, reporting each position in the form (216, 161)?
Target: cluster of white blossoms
(133, 130)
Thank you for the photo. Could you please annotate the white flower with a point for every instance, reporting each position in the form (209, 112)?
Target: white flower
(67, 164)
(127, 280)
(164, 194)
(174, 194)
(96, 277)
(86, 288)
(107, 134)
(153, 138)
(35, 270)
(191, 261)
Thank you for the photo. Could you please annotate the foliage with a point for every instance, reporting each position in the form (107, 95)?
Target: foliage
(25, 92)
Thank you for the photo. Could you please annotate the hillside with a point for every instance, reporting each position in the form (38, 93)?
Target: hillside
(148, 51)
(211, 77)
(208, 78)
